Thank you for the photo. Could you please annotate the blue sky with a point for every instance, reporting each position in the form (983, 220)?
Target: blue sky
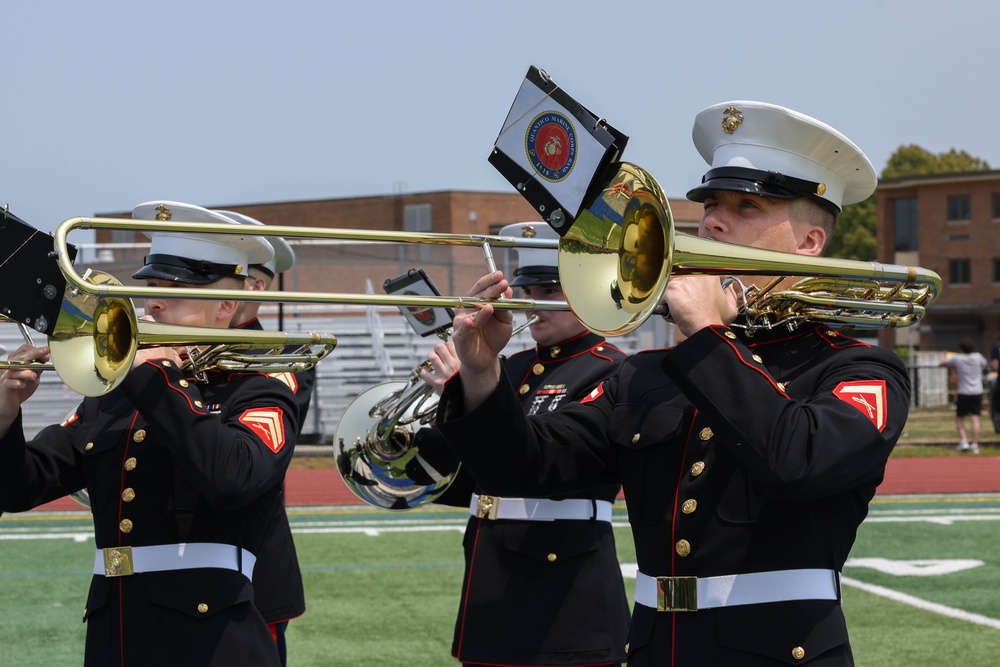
(108, 104)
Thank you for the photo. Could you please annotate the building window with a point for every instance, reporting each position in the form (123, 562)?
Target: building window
(959, 271)
(959, 207)
(996, 205)
(996, 270)
(417, 218)
(904, 212)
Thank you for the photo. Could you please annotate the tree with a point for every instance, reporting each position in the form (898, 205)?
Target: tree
(854, 237)
(913, 160)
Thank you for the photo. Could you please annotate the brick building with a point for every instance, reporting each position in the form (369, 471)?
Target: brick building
(950, 224)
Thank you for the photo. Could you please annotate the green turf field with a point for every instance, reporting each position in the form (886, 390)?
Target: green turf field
(922, 587)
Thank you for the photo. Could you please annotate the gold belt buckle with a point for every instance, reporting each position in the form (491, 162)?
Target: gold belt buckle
(118, 561)
(677, 593)
(487, 507)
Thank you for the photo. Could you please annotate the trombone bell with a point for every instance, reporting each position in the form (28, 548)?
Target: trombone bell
(93, 343)
(614, 261)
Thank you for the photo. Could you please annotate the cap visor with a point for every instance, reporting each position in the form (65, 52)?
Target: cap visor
(176, 274)
(701, 192)
(535, 275)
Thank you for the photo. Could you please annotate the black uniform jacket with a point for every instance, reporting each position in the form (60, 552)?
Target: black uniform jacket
(543, 592)
(167, 460)
(277, 579)
(736, 455)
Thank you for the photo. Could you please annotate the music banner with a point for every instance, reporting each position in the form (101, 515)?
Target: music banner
(33, 284)
(553, 150)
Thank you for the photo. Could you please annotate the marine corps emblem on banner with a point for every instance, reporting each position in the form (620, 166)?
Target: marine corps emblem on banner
(550, 144)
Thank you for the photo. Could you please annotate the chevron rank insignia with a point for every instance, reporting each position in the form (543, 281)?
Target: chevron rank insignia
(268, 424)
(868, 396)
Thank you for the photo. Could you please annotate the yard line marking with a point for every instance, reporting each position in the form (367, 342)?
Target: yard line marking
(919, 603)
(940, 519)
(76, 537)
(924, 567)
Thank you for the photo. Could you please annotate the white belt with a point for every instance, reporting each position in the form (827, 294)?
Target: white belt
(123, 561)
(539, 509)
(694, 593)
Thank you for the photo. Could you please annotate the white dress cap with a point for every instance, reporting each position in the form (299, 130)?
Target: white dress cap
(284, 256)
(772, 151)
(535, 266)
(196, 258)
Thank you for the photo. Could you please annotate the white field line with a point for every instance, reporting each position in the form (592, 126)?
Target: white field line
(374, 528)
(932, 607)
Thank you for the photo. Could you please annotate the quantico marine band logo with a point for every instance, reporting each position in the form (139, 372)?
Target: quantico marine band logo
(551, 146)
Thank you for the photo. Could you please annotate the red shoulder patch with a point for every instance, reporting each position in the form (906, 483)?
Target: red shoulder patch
(70, 418)
(289, 379)
(268, 424)
(595, 394)
(868, 396)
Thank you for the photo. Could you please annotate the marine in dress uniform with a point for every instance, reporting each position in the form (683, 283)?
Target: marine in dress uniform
(183, 475)
(542, 581)
(747, 461)
(277, 582)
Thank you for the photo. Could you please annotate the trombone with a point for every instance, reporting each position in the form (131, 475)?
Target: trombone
(484, 242)
(95, 340)
(97, 334)
(614, 265)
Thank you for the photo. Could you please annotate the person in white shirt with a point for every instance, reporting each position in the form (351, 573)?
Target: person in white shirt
(968, 367)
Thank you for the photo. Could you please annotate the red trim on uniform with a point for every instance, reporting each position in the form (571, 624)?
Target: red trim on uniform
(601, 356)
(121, 580)
(673, 531)
(246, 324)
(465, 600)
(833, 341)
(560, 360)
(718, 331)
(152, 362)
(795, 335)
(288, 379)
(594, 394)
